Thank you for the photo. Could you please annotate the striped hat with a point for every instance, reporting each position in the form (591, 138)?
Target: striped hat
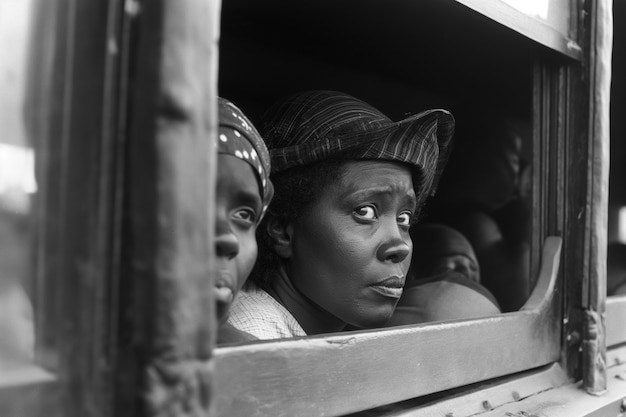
(317, 125)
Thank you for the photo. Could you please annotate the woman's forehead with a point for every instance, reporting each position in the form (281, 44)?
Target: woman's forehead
(237, 176)
(376, 176)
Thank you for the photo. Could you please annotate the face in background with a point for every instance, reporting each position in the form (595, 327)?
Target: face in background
(351, 250)
(464, 262)
(485, 171)
(464, 265)
(439, 249)
(238, 207)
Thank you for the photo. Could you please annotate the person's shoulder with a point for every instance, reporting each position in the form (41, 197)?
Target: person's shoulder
(228, 334)
(256, 312)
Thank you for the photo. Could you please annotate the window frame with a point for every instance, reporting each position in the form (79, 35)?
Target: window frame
(560, 102)
(270, 378)
(563, 41)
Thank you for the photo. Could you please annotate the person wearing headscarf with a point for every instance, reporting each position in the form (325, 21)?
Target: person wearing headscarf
(335, 245)
(243, 194)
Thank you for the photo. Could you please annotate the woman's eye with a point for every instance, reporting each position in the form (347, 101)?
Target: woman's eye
(366, 212)
(405, 219)
(245, 215)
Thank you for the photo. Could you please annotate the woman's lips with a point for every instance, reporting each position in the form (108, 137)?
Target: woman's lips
(391, 287)
(223, 294)
(222, 291)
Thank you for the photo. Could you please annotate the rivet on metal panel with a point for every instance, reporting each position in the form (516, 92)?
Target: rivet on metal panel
(486, 405)
(516, 396)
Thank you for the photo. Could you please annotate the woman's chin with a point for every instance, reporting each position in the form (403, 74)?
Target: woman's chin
(373, 321)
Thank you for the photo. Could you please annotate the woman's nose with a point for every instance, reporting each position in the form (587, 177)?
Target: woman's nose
(395, 248)
(226, 242)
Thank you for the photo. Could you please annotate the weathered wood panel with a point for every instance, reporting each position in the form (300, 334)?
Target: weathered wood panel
(172, 191)
(594, 348)
(475, 401)
(349, 372)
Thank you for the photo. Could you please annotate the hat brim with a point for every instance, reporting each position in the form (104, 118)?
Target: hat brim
(422, 140)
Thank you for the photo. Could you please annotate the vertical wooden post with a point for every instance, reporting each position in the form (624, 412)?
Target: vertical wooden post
(594, 347)
(172, 174)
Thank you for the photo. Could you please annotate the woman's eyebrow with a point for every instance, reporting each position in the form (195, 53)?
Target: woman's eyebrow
(364, 193)
(412, 200)
(249, 197)
(359, 192)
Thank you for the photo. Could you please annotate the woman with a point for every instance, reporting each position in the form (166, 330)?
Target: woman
(335, 245)
(243, 193)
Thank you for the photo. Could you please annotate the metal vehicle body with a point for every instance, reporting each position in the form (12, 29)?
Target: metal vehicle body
(121, 114)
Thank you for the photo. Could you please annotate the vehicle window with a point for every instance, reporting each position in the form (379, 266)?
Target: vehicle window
(485, 191)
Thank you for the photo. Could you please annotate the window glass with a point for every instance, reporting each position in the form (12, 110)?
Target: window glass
(554, 13)
(17, 188)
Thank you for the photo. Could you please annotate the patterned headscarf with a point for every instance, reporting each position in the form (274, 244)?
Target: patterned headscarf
(317, 125)
(238, 137)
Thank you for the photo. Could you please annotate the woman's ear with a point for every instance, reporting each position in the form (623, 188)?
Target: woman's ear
(280, 233)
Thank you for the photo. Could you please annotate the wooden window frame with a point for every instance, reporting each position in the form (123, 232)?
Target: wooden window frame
(533, 27)
(338, 374)
(350, 372)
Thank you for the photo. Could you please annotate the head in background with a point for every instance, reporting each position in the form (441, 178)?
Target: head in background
(487, 168)
(242, 197)
(449, 296)
(349, 181)
(439, 249)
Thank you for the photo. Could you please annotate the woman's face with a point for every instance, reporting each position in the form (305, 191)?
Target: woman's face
(351, 249)
(238, 206)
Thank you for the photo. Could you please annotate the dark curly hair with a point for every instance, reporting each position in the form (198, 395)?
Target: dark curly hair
(295, 191)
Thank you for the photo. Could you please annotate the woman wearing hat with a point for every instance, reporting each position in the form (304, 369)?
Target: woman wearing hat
(335, 244)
